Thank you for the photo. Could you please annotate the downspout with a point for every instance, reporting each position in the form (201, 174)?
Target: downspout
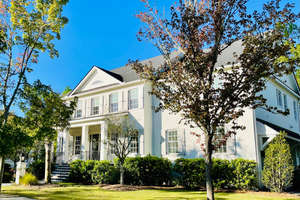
(257, 151)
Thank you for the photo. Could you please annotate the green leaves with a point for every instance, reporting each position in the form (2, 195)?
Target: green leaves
(278, 164)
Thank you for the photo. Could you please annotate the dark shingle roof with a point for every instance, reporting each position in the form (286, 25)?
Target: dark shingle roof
(129, 74)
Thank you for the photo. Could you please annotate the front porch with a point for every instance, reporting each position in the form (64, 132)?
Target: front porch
(85, 141)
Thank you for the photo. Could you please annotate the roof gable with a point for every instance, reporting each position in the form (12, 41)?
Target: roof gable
(97, 77)
(290, 81)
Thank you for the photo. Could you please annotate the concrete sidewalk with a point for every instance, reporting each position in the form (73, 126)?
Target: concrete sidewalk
(12, 197)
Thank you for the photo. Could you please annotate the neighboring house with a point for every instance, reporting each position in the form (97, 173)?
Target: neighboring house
(119, 92)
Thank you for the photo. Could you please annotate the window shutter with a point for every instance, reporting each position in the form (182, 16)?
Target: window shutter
(166, 142)
(88, 107)
(181, 141)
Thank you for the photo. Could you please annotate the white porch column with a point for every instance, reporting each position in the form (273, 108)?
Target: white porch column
(103, 133)
(84, 142)
(66, 152)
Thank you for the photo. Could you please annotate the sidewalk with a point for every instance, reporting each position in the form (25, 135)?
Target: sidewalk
(12, 197)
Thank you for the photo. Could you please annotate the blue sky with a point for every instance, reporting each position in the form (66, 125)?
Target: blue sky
(101, 33)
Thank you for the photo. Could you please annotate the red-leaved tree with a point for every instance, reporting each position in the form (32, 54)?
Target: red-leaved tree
(207, 94)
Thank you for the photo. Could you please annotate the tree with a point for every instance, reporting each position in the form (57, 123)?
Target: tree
(121, 133)
(28, 27)
(45, 112)
(191, 82)
(278, 164)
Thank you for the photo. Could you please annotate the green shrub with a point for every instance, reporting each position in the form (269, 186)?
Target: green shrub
(222, 174)
(76, 173)
(29, 179)
(8, 175)
(189, 173)
(104, 173)
(278, 164)
(148, 170)
(37, 168)
(235, 174)
(244, 174)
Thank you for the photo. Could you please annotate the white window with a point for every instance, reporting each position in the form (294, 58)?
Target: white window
(95, 105)
(279, 97)
(133, 98)
(134, 144)
(172, 141)
(113, 143)
(61, 144)
(220, 141)
(285, 105)
(113, 102)
(77, 144)
(78, 111)
(295, 108)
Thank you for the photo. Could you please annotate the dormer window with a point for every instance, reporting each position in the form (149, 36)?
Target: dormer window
(113, 102)
(95, 105)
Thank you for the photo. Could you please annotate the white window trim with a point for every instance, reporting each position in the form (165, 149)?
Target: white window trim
(279, 98)
(137, 98)
(109, 102)
(167, 142)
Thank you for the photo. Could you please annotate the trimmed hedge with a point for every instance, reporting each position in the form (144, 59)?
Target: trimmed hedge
(235, 174)
(148, 170)
(93, 172)
(151, 170)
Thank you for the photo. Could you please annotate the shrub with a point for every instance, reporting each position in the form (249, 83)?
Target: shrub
(190, 173)
(8, 175)
(222, 173)
(278, 164)
(29, 179)
(244, 174)
(148, 170)
(76, 173)
(37, 168)
(104, 173)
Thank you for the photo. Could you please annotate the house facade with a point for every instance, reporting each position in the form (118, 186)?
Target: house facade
(119, 92)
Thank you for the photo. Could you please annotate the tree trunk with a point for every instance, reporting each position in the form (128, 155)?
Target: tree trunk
(47, 162)
(2, 160)
(122, 175)
(208, 168)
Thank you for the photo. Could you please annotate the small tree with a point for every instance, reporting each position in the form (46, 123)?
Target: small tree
(278, 164)
(194, 81)
(45, 112)
(121, 133)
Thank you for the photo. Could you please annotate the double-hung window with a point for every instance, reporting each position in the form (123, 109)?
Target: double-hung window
(78, 111)
(95, 105)
(172, 141)
(279, 98)
(113, 102)
(134, 144)
(220, 141)
(77, 144)
(133, 99)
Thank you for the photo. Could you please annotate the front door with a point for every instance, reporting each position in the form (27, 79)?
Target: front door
(94, 153)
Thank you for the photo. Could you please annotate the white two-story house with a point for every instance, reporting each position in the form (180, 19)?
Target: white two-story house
(120, 92)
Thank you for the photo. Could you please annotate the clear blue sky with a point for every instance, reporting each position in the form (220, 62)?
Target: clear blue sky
(101, 33)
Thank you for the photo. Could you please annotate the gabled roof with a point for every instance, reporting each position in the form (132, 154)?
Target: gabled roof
(115, 78)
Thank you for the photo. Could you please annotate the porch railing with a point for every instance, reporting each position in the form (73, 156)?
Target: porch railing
(92, 155)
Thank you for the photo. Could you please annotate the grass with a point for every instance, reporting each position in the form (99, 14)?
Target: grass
(81, 192)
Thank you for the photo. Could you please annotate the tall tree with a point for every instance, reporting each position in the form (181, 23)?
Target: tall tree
(28, 27)
(45, 113)
(278, 164)
(121, 133)
(209, 95)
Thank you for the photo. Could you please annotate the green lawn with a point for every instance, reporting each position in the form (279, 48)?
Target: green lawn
(95, 192)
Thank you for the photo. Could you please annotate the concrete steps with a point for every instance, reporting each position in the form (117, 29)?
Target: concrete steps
(60, 173)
